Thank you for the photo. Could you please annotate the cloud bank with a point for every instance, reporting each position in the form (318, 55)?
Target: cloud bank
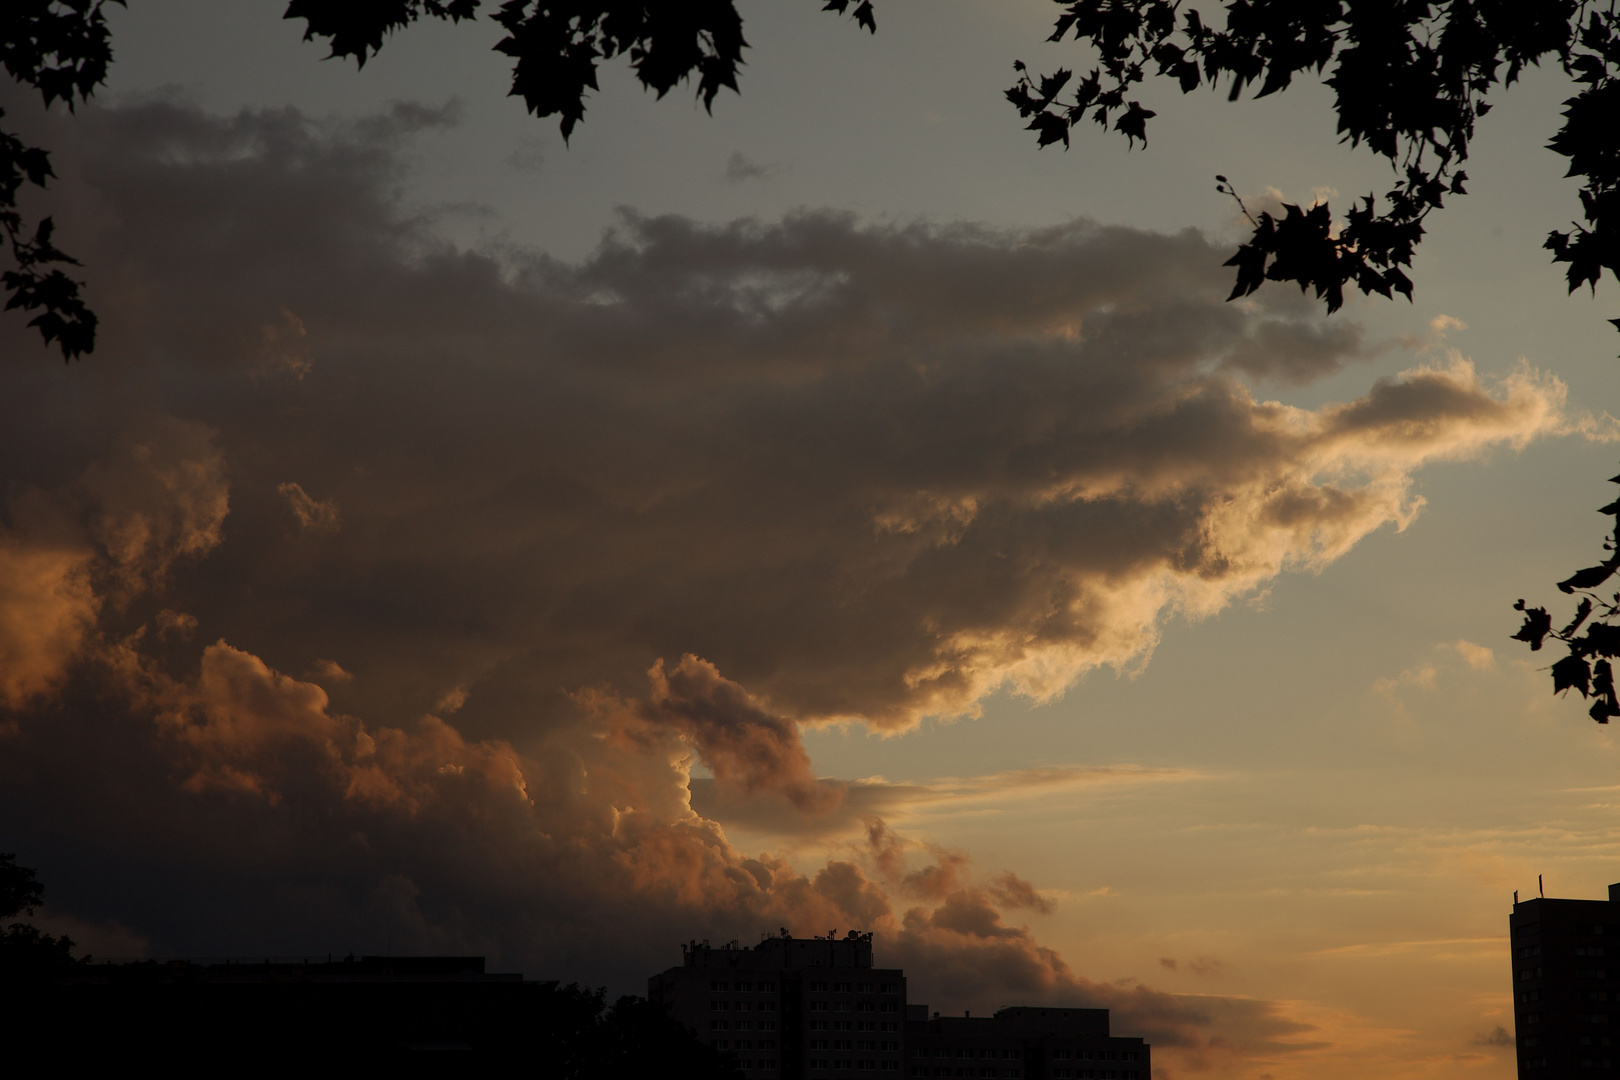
(654, 509)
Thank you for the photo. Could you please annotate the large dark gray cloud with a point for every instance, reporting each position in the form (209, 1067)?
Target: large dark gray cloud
(622, 516)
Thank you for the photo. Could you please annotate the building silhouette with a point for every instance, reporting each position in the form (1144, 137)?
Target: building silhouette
(1566, 984)
(791, 1007)
(816, 1009)
(1024, 1041)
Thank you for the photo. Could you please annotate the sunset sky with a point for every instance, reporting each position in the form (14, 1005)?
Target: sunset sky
(830, 513)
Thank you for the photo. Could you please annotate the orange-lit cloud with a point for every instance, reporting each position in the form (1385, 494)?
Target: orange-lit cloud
(646, 512)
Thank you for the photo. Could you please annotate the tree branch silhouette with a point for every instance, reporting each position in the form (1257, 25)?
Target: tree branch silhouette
(1410, 79)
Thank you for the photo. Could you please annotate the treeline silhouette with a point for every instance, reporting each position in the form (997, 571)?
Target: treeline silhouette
(352, 1010)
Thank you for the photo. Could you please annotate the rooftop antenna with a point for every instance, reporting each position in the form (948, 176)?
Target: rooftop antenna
(1539, 889)
(1515, 897)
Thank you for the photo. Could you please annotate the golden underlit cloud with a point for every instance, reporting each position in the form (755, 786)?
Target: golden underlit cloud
(652, 511)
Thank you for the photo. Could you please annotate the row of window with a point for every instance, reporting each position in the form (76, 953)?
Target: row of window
(744, 1044)
(757, 1063)
(1588, 929)
(855, 1064)
(856, 1006)
(742, 1025)
(944, 1070)
(1100, 1055)
(1530, 974)
(853, 988)
(1529, 952)
(891, 1046)
(743, 987)
(1100, 1074)
(857, 1025)
(742, 1006)
(961, 1052)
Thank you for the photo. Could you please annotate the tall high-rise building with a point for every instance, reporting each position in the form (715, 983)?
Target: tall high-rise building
(816, 1009)
(1566, 985)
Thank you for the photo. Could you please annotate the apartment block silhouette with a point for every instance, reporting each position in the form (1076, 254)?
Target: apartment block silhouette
(816, 1009)
(1566, 984)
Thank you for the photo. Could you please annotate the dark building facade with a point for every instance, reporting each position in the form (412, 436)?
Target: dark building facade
(1023, 1043)
(791, 1007)
(816, 1009)
(1566, 985)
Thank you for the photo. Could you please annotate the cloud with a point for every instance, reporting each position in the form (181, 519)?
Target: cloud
(656, 508)
(46, 608)
(311, 514)
(739, 167)
(1498, 1036)
(869, 472)
(767, 812)
(1478, 657)
(175, 624)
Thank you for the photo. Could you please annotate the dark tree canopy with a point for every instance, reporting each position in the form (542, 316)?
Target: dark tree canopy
(62, 48)
(28, 957)
(1410, 79)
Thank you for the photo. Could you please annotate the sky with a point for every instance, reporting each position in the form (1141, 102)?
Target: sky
(832, 512)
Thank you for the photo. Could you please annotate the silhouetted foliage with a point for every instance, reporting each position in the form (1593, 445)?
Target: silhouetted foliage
(62, 48)
(1592, 634)
(28, 957)
(1410, 78)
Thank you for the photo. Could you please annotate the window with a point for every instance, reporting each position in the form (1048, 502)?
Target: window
(1061, 1055)
(889, 988)
(841, 1025)
(842, 1006)
(1590, 973)
(743, 1006)
(719, 1025)
(767, 988)
(889, 1025)
(1586, 950)
(841, 988)
(745, 1025)
(767, 1025)
(891, 1046)
(864, 1006)
(1535, 950)
(1530, 995)
(867, 988)
(818, 1006)
(718, 987)
(818, 1044)
(1527, 929)
(719, 1006)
